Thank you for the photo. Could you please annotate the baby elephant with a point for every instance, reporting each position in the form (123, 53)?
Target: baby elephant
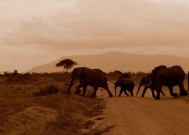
(125, 84)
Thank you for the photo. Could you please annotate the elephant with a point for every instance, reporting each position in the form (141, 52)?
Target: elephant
(170, 77)
(93, 77)
(147, 82)
(125, 84)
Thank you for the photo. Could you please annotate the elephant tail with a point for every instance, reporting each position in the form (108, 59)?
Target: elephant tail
(115, 91)
(71, 84)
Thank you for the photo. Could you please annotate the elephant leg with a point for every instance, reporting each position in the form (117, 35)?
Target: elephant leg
(131, 91)
(78, 91)
(84, 90)
(144, 91)
(153, 94)
(182, 90)
(159, 88)
(120, 92)
(94, 93)
(107, 89)
(171, 91)
(126, 93)
(139, 88)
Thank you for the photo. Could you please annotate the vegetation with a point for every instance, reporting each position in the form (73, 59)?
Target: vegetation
(67, 64)
(34, 103)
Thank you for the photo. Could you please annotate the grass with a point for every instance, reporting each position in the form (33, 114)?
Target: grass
(44, 91)
(52, 89)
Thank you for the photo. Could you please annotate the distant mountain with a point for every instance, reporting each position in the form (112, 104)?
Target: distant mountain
(118, 61)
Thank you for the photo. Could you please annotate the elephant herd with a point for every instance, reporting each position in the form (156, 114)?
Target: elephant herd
(159, 76)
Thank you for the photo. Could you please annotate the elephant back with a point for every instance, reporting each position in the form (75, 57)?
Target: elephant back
(176, 72)
(170, 76)
(98, 74)
(127, 81)
(145, 80)
(95, 78)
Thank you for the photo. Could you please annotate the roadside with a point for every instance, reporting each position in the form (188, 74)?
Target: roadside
(35, 107)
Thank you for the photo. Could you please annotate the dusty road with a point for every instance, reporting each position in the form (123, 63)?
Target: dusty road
(146, 116)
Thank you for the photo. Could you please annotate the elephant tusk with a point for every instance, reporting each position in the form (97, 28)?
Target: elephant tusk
(148, 85)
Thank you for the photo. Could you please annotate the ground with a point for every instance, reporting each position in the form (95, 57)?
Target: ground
(144, 115)
(38, 104)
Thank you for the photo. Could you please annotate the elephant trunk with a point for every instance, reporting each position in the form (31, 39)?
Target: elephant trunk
(71, 84)
(73, 76)
(138, 89)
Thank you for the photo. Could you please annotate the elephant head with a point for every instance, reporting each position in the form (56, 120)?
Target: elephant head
(144, 81)
(156, 70)
(76, 73)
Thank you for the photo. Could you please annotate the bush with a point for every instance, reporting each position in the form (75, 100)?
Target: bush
(47, 91)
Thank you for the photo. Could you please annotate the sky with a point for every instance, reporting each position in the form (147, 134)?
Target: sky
(35, 32)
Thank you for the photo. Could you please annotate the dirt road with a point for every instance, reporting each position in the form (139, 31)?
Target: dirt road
(146, 116)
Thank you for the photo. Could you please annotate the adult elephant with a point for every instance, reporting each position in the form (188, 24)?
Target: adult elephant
(147, 82)
(170, 77)
(93, 77)
(125, 84)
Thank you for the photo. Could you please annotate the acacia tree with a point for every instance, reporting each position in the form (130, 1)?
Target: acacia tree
(66, 64)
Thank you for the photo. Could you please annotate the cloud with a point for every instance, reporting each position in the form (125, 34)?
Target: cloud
(38, 31)
(106, 24)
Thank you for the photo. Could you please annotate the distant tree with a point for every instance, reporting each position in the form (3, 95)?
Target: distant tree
(67, 64)
(6, 73)
(15, 73)
(126, 75)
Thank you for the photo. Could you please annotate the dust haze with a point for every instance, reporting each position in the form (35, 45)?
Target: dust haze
(34, 30)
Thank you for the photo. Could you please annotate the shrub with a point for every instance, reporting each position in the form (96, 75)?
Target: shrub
(47, 91)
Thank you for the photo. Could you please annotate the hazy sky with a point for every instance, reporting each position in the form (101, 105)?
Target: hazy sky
(34, 32)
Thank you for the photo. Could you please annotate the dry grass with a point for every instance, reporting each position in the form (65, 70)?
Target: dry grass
(44, 92)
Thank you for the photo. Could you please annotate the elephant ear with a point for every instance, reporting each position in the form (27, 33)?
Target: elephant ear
(74, 72)
(156, 70)
(82, 71)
